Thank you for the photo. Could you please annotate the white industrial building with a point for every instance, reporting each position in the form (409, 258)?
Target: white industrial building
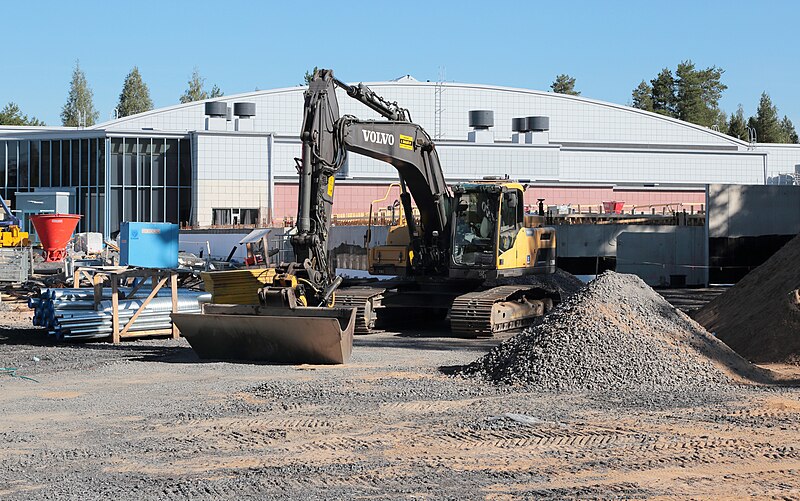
(237, 166)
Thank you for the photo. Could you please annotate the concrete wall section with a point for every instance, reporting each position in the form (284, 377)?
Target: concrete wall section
(748, 211)
(658, 258)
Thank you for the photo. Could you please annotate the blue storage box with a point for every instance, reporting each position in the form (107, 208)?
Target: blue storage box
(148, 245)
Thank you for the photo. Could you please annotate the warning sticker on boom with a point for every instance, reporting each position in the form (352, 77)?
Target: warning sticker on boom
(406, 142)
(331, 180)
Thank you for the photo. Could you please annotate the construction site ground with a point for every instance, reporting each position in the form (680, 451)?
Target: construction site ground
(148, 420)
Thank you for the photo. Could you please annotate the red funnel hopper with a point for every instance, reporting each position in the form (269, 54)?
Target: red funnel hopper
(54, 232)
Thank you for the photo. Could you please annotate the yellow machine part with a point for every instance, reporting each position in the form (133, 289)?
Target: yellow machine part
(13, 237)
(528, 244)
(237, 286)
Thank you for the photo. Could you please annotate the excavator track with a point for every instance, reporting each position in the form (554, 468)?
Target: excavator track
(499, 309)
(366, 301)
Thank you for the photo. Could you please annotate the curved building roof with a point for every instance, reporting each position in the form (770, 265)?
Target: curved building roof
(442, 110)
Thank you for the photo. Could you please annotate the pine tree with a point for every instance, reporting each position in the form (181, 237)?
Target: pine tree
(664, 100)
(11, 115)
(135, 96)
(309, 75)
(642, 97)
(564, 84)
(766, 123)
(789, 133)
(196, 91)
(737, 127)
(79, 108)
(698, 93)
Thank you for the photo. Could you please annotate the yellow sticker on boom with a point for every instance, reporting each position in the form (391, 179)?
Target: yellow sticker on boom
(406, 142)
(330, 186)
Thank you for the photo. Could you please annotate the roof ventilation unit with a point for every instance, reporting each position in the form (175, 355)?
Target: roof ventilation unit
(530, 130)
(481, 121)
(216, 115)
(538, 124)
(244, 116)
(519, 124)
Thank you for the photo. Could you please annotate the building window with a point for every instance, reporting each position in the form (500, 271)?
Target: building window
(234, 217)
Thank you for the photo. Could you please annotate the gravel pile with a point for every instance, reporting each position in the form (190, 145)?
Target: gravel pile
(617, 334)
(760, 316)
(562, 282)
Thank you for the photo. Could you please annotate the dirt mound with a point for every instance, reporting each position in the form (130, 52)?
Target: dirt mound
(563, 282)
(617, 333)
(760, 316)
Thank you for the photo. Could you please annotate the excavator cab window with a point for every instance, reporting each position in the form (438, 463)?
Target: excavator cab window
(475, 229)
(511, 217)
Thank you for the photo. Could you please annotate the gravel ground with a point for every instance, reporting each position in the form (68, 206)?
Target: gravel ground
(148, 420)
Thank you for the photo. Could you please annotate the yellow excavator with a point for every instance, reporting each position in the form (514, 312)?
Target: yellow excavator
(465, 236)
(10, 233)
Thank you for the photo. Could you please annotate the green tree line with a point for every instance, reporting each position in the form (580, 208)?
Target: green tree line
(79, 110)
(692, 94)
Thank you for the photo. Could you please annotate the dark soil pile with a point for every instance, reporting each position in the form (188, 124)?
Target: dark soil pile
(760, 316)
(617, 333)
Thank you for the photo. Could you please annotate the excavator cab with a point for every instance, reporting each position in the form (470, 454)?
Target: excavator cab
(492, 236)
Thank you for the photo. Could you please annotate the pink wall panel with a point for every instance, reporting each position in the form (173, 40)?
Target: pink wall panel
(356, 198)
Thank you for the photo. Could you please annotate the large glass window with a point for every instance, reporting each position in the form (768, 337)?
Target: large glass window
(475, 229)
(129, 162)
(143, 156)
(44, 165)
(186, 163)
(24, 163)
(185, 213)
(55, 162)
(94, 157)
(234, 216)
(116, 162)
(101, 162)
(115, 209)
(84, 162)
(3, 167)
(172, 162)
(15, 179)
(33, 164)
(75, 171)
(157, 165)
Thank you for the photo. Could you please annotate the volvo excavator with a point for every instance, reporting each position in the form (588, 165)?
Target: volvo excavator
(465, 237)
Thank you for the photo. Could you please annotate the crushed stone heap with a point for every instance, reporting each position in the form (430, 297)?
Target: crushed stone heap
(562, 282)
(616, 333)
(759, 317)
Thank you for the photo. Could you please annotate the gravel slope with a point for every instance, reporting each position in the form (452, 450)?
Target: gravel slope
(617, 333)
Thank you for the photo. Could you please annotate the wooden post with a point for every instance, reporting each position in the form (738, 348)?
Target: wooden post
(76, 278)
(173, 284)
(97, 283)
(156, 288)
(114, 309)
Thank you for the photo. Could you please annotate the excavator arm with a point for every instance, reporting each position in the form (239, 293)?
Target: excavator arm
(326, 140)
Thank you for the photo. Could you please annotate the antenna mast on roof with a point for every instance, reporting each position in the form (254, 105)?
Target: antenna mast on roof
(438, 110)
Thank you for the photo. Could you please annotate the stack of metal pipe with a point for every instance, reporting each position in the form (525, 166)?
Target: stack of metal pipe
(69, 314)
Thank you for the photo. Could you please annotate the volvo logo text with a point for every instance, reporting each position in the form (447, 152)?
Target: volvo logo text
(378, 137)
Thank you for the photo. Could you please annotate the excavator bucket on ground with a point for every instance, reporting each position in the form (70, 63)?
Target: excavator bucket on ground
(267, 334)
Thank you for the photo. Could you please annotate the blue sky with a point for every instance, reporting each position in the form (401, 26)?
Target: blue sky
(608, 46)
